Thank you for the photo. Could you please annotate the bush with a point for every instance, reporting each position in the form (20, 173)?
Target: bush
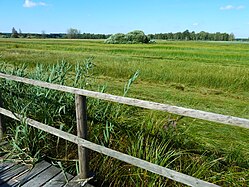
(118, 38)
(129, 38)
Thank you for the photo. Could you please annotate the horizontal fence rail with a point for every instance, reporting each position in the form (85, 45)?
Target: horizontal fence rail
(198, 114)
(83, 144)
(171, 174)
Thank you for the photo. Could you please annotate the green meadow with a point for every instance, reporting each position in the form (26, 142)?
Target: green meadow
(209, 76)
(212, 76)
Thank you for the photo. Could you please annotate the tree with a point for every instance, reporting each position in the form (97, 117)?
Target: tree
(131, 37)
(73, 33)
(137, 37)
(118, 38)
(20, 33)
(193, 35)
(14, 33)
(231, 37)
(186, 35)
(203, 35)
(178, 36)
(43, 34)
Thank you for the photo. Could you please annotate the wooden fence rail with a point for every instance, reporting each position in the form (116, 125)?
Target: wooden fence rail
(171, 174)
(81, 118)
(198, 114)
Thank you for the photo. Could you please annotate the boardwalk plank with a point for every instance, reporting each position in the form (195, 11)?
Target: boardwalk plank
(43, 177)
(5, 165)
(14, 181)
(11, 172)
(27, 175)
(43, 174)
(59, 180)
(74, 183)
(39, 167)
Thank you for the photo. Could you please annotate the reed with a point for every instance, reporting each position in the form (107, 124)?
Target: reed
(202, 75)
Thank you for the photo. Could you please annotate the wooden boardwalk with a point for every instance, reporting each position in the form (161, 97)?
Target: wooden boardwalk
(42, 174)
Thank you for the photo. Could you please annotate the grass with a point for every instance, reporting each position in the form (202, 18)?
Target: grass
(209, 76)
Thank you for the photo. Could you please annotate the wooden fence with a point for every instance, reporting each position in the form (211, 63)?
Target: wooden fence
(81, 118)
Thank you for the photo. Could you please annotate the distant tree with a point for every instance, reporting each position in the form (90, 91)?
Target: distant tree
(151, 36)
(20, 33)
(43, 34)
(178, 36)
(2, 35)
(73, 33)
(186, 35)
(203, 35)
(131, 37)
(137, 37)
(14, 33)
(170, 36)
(118, 38)
(231, 37)
(193, 35)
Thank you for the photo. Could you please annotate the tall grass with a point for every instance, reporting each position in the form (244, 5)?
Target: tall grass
(47, 106)
(201, 64)
(201, 75)
(156, 137)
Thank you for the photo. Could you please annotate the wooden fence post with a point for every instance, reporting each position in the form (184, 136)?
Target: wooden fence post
(81, 118)
(1, 119)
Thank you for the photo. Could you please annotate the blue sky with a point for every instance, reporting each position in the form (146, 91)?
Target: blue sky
(112, 16)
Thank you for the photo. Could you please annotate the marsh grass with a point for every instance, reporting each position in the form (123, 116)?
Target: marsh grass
(197, 75)
(202, 64)
(110, 125)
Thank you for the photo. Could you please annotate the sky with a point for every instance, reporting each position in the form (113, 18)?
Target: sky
(122, 16)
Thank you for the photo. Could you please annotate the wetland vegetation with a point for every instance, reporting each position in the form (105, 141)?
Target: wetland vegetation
(210, 76)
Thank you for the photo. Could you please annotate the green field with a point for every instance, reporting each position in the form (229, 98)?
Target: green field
(209, 76)
(203, 75)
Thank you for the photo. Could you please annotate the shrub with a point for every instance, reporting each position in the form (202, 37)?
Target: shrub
(118, 38)
(129, 38)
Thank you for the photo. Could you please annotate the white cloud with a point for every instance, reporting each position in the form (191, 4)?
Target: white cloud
(30, 4)
(227, 7)
(195, 24)
(240, 7)
(231, 7)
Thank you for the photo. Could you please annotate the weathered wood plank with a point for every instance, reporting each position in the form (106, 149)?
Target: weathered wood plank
(77, 182)
(26, 176)
(5, 165)
(11, 172)
(42, 177)
(171, 174)
(209, 116)
(14, 182)
(59, 180)
(40, 173)
(73, 182)
(81, 119)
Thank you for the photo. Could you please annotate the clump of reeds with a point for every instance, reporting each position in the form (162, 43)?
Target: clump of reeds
(152, 136)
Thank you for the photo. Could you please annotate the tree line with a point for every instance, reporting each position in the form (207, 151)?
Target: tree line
(71, 34)
(76, 34)
(186, 35)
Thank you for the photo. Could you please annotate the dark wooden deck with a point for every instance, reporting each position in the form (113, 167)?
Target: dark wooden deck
(42, 174)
